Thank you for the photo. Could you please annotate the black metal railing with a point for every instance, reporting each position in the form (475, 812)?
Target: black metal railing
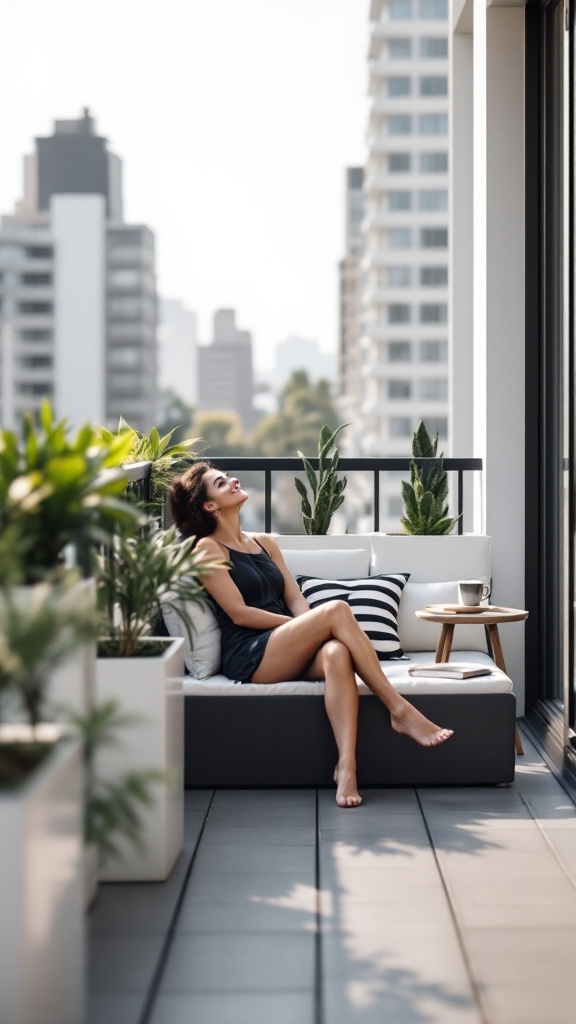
(376, 466)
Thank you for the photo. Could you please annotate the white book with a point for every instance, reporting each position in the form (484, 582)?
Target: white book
(449, 670)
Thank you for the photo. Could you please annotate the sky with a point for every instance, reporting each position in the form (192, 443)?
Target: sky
(235, 121)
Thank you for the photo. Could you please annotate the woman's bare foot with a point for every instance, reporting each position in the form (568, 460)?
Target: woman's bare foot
(409, 721)
(347, 794)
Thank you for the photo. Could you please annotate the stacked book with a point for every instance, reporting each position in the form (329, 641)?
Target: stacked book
(449, 670)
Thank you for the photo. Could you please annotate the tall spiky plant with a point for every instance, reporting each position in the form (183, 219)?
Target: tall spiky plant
(425, 508)
(327, 489)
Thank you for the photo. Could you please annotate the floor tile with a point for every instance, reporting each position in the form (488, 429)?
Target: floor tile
(237, 1008)
(294, 911)
(214, 860)
(115, 1008)
(272, 835)
(563, 844)
(120, 965)
(267, 887)
(240, 963)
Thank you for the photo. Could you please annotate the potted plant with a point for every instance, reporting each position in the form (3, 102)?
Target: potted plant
(60, 497)
(144, 674)
(425, 507)
(41, 812)
(166, 459)
(327, 489)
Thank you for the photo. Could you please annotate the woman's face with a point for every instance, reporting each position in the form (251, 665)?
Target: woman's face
(222, 491)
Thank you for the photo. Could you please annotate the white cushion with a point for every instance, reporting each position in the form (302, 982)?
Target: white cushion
(373, 601)
(433, 559)
(396, 671)
(417, 635)
(330, 563)
(202, 656)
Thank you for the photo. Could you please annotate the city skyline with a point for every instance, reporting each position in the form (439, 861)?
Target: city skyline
(270, 93)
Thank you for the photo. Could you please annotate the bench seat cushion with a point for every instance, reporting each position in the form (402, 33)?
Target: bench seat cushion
(397, 672)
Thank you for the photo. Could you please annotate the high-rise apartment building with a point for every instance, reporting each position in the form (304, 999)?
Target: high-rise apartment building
(225, 376)
(77, 289)
(404, 343)
(348, 384)
(178, 350)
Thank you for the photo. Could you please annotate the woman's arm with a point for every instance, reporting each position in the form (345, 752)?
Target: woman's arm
(293, 597)
(226, 594)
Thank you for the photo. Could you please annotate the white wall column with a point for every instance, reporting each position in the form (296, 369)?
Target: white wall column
(79, 230)
(461, 163)
(499, 281)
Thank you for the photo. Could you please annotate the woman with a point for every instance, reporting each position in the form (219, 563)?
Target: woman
(270, 633)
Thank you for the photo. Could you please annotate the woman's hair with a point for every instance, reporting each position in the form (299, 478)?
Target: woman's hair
(187, 498)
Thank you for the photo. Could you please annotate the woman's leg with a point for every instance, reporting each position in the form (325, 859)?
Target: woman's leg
(292, 647)
(334, 664)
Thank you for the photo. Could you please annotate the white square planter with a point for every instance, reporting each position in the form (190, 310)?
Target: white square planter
(150, 691)
(41, 892)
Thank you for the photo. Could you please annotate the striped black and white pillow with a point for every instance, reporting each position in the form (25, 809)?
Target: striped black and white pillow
(374, 601)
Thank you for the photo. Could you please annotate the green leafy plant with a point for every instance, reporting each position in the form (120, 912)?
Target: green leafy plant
(140, 574)
(425, 507)
(327, 489)
(111, 809)
(57, 490)
(167, 459)
(35, 639)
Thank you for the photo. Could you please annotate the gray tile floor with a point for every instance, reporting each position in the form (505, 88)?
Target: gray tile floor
(426, 906)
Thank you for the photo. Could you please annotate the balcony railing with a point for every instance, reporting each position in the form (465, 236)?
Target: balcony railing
(139, 474)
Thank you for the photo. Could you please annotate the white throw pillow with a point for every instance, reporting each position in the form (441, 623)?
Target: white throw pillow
(374, 602)
(417, 635)
(202, 656)
(330, 563)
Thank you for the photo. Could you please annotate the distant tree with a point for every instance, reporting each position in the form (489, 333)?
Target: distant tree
(221, 431)
(303, 409)
(175, 415)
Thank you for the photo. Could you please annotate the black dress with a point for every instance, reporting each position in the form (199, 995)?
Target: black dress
(261, 584)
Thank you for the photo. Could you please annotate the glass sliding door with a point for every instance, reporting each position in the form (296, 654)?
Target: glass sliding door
(550, 245)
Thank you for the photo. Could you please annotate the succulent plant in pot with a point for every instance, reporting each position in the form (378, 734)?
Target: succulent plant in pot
(327, 489)
(425, 497)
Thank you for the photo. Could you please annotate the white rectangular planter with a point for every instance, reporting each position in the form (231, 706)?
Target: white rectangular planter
(149, 690)
(41, 893)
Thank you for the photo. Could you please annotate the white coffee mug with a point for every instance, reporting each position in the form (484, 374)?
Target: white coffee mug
(472, 592)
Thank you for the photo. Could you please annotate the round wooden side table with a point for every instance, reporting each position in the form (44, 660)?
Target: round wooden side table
(491, 618)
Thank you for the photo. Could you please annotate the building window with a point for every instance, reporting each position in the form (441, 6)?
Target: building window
(399, 352)
(400, 124)
(399, 10)
(433, 199)
(399, 313)
(400, 86)
(433, 85)
(398, 277)
(37, 390)
(434, 313)
(125, 308)
(437, 425)
(434, 351)
(38, 252)
(36, 362)
(434, 46)
(399, 49)
(398, 163)
(400, 426)
(433, 124)
(399, 389)
(434, 389)
(36, 279)
(129, 279)
(35, 308)
(125, 358)
(433, 10)
(433, 277)
(434, 238)
(400, 200)
(35, 335)
(399, 238)
(433, 163)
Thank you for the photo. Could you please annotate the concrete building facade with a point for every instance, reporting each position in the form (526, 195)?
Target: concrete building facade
(225, 373)
(404, 316)
(77, 289)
